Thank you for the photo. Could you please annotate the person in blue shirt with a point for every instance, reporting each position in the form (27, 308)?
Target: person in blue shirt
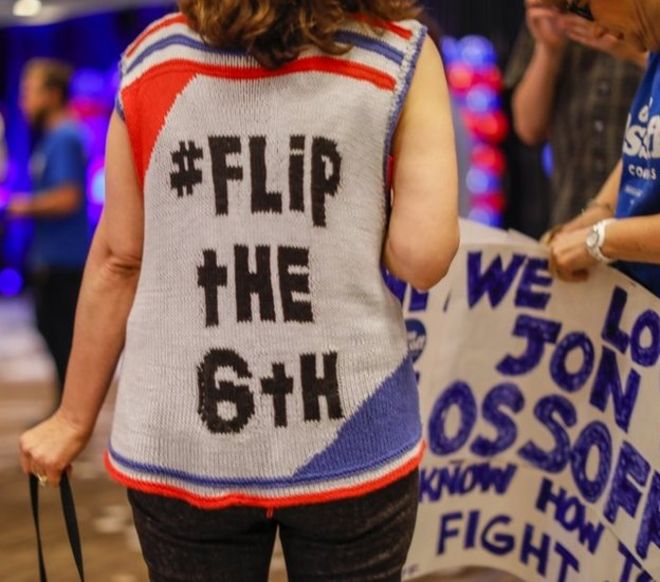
(57, 205)
(622, 224)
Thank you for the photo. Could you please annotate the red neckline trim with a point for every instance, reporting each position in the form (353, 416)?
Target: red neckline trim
(153, 29)
(393, 27)
(322, 64)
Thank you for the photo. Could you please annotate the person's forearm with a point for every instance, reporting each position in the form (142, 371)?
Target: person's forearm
(535, 95)
(106, 297)
(634, 239)
(57, 202)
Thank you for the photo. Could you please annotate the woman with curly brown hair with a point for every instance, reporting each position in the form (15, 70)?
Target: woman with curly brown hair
(266, 383)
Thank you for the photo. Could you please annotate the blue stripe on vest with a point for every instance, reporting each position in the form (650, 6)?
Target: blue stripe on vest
(370, 44)
(392, 413)
(398, 109)
(179, 40)
(346, 37)
(119, 108)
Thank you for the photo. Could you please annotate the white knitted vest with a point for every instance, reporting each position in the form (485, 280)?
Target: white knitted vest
(266, 361)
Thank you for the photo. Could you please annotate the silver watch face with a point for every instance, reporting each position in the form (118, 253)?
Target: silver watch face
(592, 239)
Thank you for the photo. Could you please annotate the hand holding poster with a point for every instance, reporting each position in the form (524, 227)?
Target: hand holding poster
(540, 403)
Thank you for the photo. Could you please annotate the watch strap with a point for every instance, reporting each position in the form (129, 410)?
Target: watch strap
(596, 251)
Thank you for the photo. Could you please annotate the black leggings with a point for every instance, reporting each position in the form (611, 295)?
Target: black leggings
(357, 540)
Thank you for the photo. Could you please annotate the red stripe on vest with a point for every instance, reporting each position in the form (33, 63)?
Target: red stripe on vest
(166, 81)
(144, 127)
(319, 64)
(397, 29)
(265, 502)
(168, 21)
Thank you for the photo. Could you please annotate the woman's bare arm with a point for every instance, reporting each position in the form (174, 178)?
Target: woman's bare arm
(534, 98)
(634, 239)
(423, 235)
(628, 239)
(106, 297)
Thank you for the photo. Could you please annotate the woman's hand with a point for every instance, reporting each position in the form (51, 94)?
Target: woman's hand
(584, 32)
(545, 25)
(48, 449)
(569, 258)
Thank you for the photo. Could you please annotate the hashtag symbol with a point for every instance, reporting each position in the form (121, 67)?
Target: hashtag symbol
(187, 174)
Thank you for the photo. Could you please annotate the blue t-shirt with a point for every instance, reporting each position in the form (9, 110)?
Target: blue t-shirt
(640, 186)
(60, 160)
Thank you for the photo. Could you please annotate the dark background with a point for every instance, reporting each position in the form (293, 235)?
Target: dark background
(498, 20)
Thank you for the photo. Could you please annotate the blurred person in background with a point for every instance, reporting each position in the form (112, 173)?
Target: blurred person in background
(622, 226)
(576, 97)
(57, 206)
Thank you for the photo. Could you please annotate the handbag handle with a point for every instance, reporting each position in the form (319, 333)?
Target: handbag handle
(69, 510)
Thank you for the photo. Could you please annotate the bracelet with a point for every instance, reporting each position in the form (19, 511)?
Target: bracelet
(596, 239)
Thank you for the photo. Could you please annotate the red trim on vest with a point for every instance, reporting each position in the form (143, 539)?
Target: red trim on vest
(153, 29)
(262, 502)
(144, 126)
(318, 64)
(159, 87)
(397, 29)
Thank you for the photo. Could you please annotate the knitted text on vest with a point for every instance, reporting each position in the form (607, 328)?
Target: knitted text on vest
(291, 275)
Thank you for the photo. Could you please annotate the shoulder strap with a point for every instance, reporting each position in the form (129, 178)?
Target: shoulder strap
(69, 510)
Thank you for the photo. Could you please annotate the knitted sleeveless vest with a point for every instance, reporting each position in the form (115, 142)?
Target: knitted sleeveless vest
(265, 361)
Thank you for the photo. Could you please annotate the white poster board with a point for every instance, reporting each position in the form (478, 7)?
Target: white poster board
(541, 409)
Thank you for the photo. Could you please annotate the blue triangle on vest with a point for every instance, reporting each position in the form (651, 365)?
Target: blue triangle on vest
(385, 427)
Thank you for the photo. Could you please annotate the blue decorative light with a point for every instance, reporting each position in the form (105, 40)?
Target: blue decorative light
(11, 282)
(450, 50)
(482, 99)
(548, 159)
(97, 186)
(478, 52)
(476, 85)
(481, 182)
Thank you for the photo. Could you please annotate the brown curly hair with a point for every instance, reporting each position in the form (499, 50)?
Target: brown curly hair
(275, 32)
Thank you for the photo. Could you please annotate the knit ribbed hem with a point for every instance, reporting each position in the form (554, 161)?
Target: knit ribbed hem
(366, 484)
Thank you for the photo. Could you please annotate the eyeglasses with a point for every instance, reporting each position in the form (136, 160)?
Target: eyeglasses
(581, 9)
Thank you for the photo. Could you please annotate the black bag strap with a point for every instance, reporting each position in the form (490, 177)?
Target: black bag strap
(69, 510)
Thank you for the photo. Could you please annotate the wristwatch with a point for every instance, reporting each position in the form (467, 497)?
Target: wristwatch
(596, 239)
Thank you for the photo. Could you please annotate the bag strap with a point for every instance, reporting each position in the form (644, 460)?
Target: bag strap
(69, 510)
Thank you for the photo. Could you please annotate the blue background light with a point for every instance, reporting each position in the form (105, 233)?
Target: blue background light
(482, 99)
(11, 282)
(478, 52)
(482, 182)
(476, 85)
